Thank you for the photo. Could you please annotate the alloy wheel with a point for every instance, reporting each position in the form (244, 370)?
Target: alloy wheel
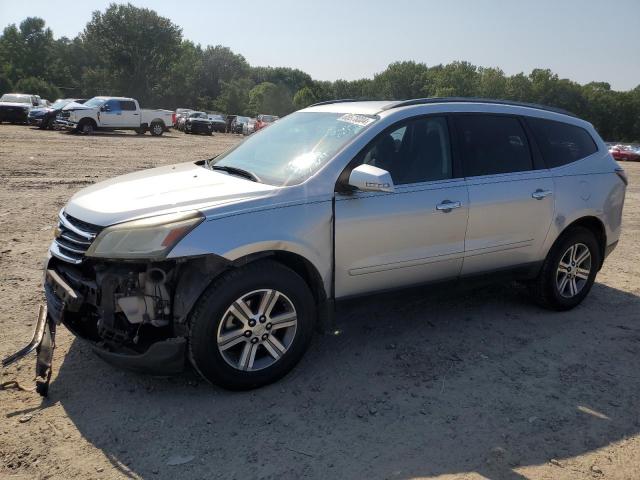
(573, 270)
(257, 330)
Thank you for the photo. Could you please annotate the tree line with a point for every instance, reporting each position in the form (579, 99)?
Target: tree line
(135, 52)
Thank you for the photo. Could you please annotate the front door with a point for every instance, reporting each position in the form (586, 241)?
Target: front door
(511, 202)
(414, 235)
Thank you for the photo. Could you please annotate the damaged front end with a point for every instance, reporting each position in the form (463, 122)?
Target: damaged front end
(133, 312)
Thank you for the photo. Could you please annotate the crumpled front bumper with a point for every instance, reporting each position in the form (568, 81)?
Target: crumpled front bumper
(167, 357)
(66, 124)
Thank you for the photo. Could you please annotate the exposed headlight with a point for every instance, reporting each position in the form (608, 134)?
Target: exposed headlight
(149, 238)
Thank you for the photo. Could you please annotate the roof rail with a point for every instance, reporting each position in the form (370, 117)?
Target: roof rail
(425, 101)
(329, 102)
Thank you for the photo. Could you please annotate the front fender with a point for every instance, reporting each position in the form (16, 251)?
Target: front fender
(303, 229)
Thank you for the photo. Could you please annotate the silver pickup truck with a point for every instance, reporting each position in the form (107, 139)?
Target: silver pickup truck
(114, 113)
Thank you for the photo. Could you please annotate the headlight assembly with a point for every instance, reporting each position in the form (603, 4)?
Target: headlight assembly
(148, 238)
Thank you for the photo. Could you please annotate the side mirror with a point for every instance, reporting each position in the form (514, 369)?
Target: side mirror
(371, 179)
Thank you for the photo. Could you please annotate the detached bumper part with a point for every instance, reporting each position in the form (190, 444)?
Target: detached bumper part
(43, 342)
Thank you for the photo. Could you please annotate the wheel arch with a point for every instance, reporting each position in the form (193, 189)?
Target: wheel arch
(90, 120)
(593, 224)
(197, 274)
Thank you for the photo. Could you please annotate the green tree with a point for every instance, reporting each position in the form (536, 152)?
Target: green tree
(132, 49)
(269, 98)
(304, 97)
(400, 80)
(37, 86)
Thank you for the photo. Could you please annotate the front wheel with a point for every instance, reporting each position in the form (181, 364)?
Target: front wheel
(569, 270)
(86, 127)
(251, 326)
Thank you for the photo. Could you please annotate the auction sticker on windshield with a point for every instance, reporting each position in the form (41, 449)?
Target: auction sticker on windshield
(362, 120)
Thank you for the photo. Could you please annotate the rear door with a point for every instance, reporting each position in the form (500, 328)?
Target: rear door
(511, 194)
(410, 236)
(129, 115)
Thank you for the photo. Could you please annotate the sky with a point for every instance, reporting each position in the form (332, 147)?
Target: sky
(583, 40)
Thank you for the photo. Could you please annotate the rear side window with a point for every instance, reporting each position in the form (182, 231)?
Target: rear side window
(561, 143)
(127, 105)
(492, 144)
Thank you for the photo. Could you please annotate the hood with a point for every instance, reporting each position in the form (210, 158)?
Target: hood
(201, 120)
(170, 189)
(76, 106)
(40, 111)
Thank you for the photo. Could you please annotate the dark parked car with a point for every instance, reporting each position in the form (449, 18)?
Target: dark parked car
(45, 117)
(219, 123)
(238, 124)
(198, 122)
(15, 107)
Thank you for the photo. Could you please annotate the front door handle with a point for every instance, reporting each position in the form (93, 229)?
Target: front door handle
(540, 194)
(447, 205)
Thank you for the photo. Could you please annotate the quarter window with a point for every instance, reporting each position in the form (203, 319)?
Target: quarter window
(492, 144)
(561, 143)
(416, 151)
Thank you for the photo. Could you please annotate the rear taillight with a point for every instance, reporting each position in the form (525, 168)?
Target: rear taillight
(623, 175)
(173, 118)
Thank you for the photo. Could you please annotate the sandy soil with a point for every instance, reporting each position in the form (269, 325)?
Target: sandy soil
(466, 384)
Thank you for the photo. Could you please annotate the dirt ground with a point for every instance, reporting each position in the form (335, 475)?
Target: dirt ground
(467, 384)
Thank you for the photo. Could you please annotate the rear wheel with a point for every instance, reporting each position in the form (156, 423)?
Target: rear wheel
(569, 270)
(157, 129)
(251, 326)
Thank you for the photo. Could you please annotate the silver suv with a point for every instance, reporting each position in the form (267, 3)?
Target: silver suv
(234, 261)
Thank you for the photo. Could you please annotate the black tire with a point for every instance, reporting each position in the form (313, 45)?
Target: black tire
(209, 312)
(86, 126)
(156, 129)
(545, 289)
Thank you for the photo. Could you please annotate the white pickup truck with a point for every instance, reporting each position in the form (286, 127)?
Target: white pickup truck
(114, 113)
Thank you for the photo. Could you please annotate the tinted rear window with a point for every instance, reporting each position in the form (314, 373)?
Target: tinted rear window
(492, 144)
(561, 143)
(127, 105)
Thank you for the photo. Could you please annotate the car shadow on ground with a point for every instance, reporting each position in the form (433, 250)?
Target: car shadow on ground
(416, 384)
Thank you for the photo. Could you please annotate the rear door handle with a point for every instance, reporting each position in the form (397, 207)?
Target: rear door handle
(447, 205)
(540, 194)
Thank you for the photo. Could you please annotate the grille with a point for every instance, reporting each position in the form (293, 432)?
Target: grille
(65, 114)
(73, 239)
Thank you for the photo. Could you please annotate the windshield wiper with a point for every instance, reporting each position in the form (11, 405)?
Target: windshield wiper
(236, 171)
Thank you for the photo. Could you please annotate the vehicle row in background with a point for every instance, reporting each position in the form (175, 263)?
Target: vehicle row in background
(621, 152)
(15, 107)
(45, 117)
(121, 113)
(114, 113)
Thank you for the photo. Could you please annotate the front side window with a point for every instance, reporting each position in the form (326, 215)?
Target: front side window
(112, 106)
(492, 144)
(294, 148)
(414, 151)
(561, 143)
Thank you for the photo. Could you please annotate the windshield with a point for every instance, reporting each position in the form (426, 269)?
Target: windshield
(268, 118)
(94, 102)
(7, 97)
(294, 148)
(198, 115)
